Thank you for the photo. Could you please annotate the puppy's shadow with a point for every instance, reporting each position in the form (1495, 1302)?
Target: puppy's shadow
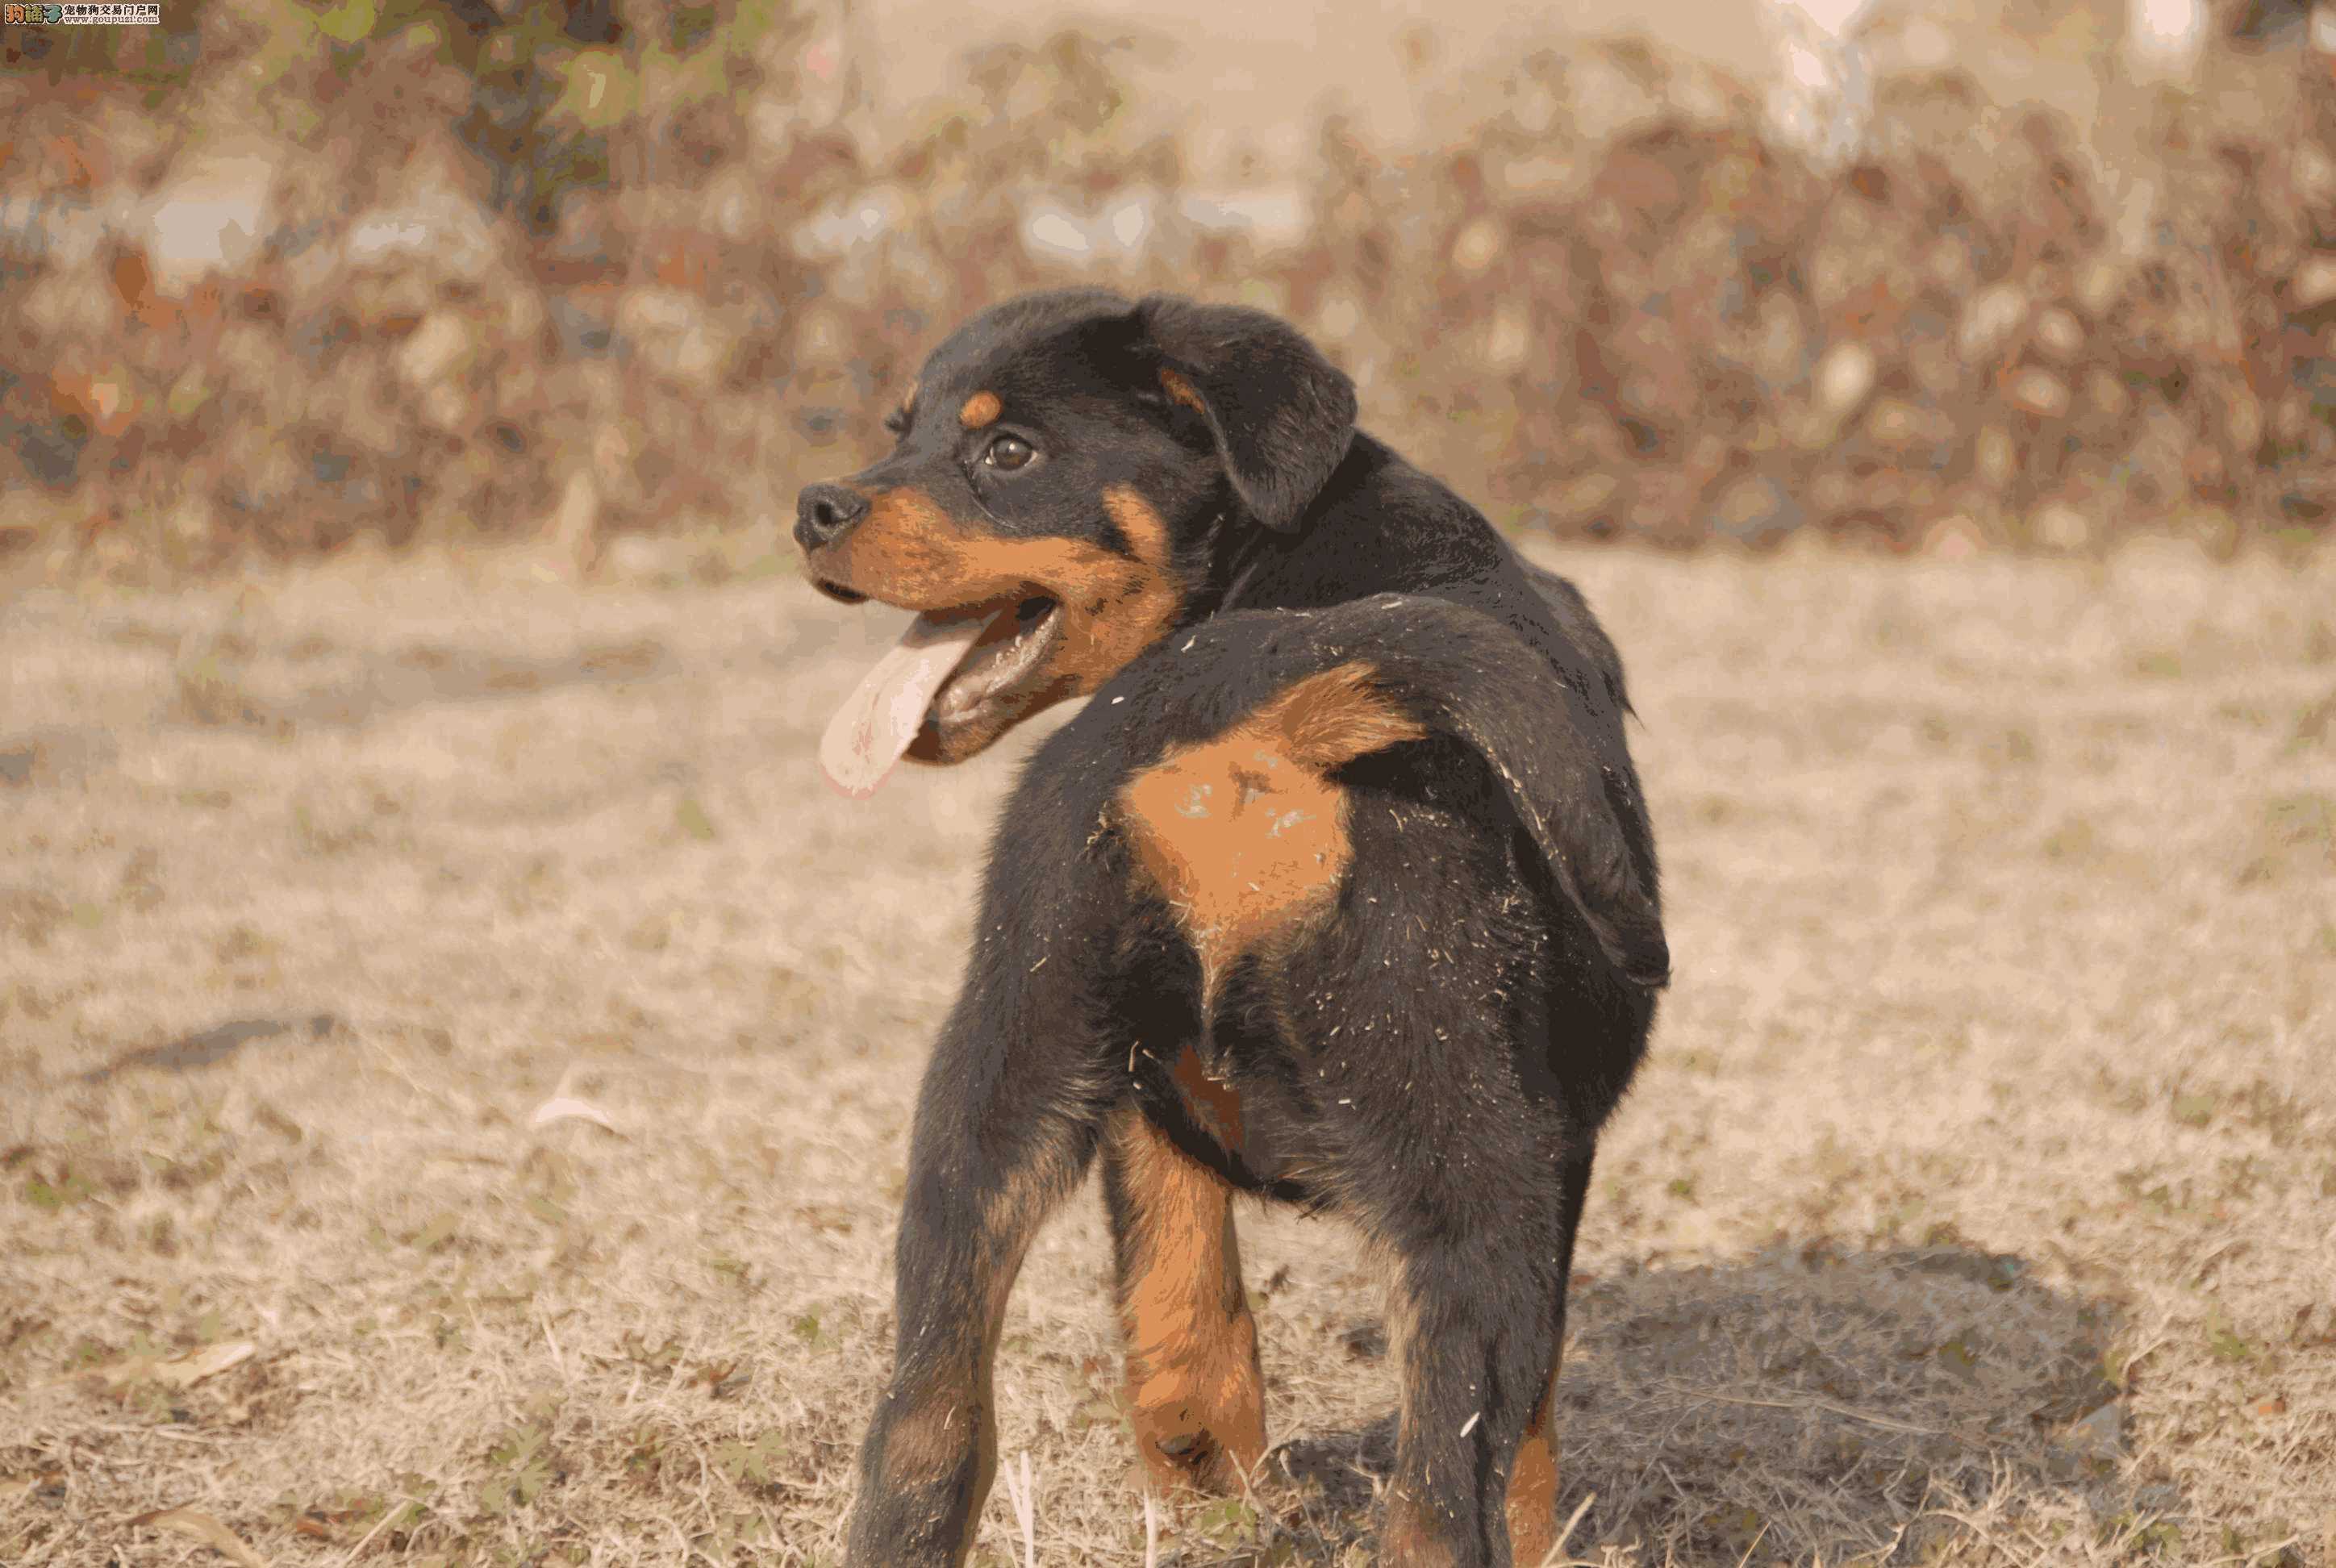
(1813, 1403)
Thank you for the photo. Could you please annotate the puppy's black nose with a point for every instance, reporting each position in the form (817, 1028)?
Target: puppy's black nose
(823, 511)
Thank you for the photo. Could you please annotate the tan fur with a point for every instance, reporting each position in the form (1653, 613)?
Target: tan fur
(929, 1439)
(1532, 1485)
(926, 1443)
(1137, 600)
(1016, 1209)
(1335, 716)
(981, 409)
(1215, 1104)
(1181, 391)
(909, 552)
(1192, 1367)
(1406, 1541)
(1244, 835)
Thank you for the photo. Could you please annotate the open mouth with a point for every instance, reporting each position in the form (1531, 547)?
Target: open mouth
(1014, 641)
(954, 671)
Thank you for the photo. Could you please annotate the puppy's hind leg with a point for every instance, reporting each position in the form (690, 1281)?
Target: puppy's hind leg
(1193, 1385)
(1472, 1325)
(1532, 1479)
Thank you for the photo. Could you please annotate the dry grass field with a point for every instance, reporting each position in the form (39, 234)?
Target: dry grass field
(455, 1058)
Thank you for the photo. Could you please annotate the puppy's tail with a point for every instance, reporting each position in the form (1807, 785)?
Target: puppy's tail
(1554, 744)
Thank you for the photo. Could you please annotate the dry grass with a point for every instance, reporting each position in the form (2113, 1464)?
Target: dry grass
(1975, 1207)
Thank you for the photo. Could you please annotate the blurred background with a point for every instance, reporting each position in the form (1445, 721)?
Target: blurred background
(276, 274)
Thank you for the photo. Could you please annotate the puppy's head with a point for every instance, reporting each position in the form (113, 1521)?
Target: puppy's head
(1066, 464)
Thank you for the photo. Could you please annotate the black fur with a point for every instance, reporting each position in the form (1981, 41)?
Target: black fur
(1430, 1054)
(1281, 415)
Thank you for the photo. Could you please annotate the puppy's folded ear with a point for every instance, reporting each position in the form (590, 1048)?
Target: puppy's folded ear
(1282, 415)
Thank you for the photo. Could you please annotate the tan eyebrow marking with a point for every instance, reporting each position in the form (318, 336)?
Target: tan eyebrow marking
(980, 409)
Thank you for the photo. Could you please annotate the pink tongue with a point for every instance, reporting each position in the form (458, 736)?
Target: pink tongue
(877, 721)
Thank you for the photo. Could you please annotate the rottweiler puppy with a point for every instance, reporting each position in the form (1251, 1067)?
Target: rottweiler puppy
(1340, 891)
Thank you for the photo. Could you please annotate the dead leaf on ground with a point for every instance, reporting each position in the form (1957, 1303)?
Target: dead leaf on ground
(178, 1372)
(201, 1527)
(566, 1107)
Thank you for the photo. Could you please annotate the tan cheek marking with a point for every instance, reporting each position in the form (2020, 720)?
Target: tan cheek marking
(907, 549)
(982, 408)
(1244, 835)
(911, 551)
(1124, 606)
(1145, 529)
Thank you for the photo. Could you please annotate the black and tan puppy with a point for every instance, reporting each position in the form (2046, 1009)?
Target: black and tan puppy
(1341, 892)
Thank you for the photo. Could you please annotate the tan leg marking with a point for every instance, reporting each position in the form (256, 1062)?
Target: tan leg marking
(1407, 1540)
(1193, 1385)
(1532, 1485)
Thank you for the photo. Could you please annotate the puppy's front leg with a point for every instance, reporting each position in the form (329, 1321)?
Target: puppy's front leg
(993, 1150)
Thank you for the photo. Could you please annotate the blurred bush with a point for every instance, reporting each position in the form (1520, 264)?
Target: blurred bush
(279, 274)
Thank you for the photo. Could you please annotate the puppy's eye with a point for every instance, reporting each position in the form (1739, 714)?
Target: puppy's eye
(1008, 452)
(897, 421)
